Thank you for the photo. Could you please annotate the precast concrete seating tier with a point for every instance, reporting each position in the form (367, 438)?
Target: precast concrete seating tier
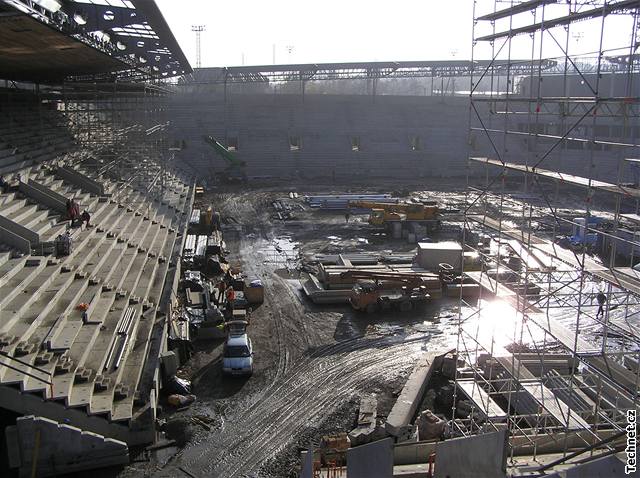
(32, 134)
(58, 360)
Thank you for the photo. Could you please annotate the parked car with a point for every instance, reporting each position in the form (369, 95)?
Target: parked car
(237, 357)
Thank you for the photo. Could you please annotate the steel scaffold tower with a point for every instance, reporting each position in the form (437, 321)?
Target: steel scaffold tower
(122, 127)
(554, 154)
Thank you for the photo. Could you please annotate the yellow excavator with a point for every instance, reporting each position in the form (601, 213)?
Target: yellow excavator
(384, 213)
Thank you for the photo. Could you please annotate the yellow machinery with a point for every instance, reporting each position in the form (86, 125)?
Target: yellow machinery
(378, 291)
(383, 213)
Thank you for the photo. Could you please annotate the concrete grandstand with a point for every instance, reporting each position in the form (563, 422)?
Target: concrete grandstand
(82, 331)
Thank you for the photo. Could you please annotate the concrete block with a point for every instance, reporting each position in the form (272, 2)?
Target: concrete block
(366, 421)
(606, 467)
(372, 459)
(44, 195)
(20, 231)
(170, 363)
(476, 456)
(15, 240)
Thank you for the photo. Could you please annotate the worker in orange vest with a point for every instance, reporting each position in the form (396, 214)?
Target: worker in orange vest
(221, 286)
(231, 296)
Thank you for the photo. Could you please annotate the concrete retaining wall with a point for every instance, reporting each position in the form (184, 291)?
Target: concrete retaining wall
(19, 230)
(44, 195)
(80, 180)
(399, 420)
(386, 128)
(15, 241)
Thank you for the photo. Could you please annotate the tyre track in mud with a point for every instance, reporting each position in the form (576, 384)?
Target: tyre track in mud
(308, 379)
(314, 388)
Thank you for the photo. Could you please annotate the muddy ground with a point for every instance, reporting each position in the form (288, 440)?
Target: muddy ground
(312, 363)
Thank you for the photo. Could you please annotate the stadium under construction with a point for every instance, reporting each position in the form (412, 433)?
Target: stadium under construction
(367, 269)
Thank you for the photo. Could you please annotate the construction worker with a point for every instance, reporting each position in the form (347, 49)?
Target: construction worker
(216, 220)
(85, 217)
(231, 296)
(228, 278)
(602, 300)
(3, 184)
(347, 215)
(228, 306)
(73, 211)
(221, 286)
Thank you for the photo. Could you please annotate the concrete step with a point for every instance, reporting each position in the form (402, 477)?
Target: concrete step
(13, 311)
(54, 231)
(44, 226)
(7, 198)
(10, 268)
(5, 256)
(35, 220)
(9, 207)
(64, 449)
(23, 212)
(14, 285)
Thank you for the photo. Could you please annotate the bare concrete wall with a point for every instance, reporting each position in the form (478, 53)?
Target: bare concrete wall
(411, 137)
(398, 136)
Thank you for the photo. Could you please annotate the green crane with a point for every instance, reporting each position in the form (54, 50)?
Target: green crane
(234, 172)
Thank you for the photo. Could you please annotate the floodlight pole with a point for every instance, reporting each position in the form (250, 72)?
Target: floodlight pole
(198, 29)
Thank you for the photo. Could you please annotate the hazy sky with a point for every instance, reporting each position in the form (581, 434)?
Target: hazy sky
(354, 30)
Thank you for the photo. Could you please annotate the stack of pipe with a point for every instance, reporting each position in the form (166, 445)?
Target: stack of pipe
(341, 201)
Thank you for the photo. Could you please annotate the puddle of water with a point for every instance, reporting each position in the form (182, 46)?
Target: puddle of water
(283, 251)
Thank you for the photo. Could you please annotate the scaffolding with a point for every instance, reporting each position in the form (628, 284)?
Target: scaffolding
(121, 129)
(554, 220)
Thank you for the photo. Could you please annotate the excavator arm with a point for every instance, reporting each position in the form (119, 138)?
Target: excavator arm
(236, 166)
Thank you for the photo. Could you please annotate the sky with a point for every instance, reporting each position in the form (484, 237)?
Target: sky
(247, 31)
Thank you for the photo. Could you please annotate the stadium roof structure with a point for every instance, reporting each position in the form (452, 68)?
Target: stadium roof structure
(361, 70)
(52, 40)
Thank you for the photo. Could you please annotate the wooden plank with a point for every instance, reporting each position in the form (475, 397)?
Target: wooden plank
(622, 277)
(491, 285)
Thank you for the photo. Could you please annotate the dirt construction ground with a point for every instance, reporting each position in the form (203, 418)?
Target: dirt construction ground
(312, 362)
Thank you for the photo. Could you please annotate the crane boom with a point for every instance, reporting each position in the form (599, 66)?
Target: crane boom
(412, 280)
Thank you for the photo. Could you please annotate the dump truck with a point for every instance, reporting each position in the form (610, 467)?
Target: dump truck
(379, 291)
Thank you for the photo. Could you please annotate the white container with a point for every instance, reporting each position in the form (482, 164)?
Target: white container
(431, 254)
